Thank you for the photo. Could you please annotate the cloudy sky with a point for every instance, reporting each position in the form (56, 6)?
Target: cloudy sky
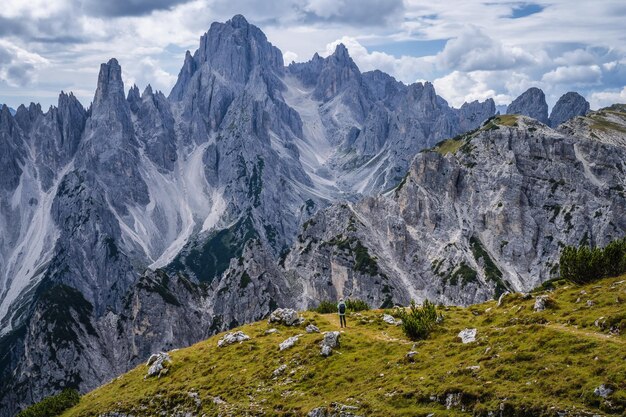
(469, 49)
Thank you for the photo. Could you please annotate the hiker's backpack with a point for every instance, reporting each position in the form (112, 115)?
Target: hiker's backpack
(342, 308)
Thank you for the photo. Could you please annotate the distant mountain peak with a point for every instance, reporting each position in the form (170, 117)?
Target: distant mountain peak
(109, 82)
(238, 21)
(531, 103)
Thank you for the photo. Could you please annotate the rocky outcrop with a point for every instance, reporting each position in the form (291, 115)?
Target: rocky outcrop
(230, 338)
(531, 103)
(567, 107)
(469, 225)
(467, 335)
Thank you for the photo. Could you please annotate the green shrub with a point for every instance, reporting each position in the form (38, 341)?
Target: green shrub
(418, 322)
(357, 305)
(326, 307)
(584, 264)
(52, 406)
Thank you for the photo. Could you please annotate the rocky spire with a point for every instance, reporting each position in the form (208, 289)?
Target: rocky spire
(71, 120)
(531, 103)
(338, 71)
(134, 98)
(569, 106)
(109, 103)
(184, 76)
(11, 158)
(110, 84)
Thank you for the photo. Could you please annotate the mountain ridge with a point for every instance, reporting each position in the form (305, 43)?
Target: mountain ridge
(144, 216)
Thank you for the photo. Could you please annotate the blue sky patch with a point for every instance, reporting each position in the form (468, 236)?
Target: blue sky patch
(526, 9)
(414, 48)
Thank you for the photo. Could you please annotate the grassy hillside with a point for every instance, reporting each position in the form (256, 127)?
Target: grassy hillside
(523, 363)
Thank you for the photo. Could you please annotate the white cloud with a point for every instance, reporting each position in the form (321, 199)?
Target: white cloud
(460, 87)
(473, 50)
(576, 57)
(406, 68)
(601, 99)
(289, 57)
(574, 75)
(19, 67)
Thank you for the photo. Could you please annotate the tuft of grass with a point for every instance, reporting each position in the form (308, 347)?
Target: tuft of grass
(522, 363)
(448, 146)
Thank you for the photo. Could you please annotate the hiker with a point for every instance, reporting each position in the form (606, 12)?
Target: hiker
(341, 308)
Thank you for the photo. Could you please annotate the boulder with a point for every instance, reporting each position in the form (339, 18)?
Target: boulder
(468, 335)
(540, 303)
(326, 351)
(311, 328)
(331, 339)
(280, 370)
(286, 316)
(389, 319)
(501, 298)
(230, 338)
(156, 364)
(603, 391)
(288, 343)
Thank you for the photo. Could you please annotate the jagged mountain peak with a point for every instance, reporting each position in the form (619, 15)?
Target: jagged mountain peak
(235, 47)
(568, 106)
(531, 103)
(238, 21)
(233, 50)
(110, 84)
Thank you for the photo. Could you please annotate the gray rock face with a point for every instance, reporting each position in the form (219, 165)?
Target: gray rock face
(468, 226)
(531, 103)
(569, 106)
(471, 115)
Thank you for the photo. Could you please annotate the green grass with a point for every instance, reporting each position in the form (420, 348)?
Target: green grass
(448, 146)
(530, 363)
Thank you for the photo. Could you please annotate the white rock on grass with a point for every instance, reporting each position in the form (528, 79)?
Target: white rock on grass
(603, 391)
(468, 335)
(389, 319)
(311, 328)
(331, 339)
(280, 370)
(230, 338)
(540, 303)
(271, 331)
(288, 343)
(156, 363)
(326, 351)
(286, 316)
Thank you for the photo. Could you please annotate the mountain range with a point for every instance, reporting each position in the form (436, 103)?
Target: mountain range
(147, 222)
